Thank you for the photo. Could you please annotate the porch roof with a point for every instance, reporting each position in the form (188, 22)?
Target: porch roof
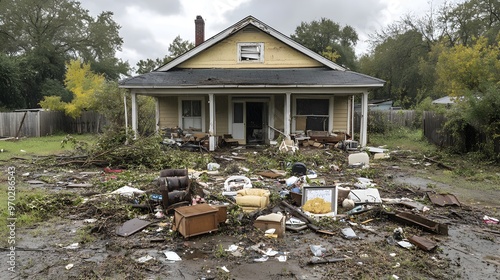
(295, 77)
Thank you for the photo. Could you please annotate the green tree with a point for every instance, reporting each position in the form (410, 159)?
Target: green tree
(472, 74)
(46, 34)
(83, 83)
(397, 60)
(175, 49)
(463, 69)
(10, 82)
(321, 35)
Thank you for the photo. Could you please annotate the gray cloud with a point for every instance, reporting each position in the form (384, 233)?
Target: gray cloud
(170, 7)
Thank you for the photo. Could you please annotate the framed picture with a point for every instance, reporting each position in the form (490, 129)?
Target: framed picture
(327, 193)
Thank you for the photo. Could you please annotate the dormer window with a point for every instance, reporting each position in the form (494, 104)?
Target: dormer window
(250, 52)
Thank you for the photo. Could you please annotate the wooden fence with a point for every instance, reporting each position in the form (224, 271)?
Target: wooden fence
(395, 117)
(43, 123)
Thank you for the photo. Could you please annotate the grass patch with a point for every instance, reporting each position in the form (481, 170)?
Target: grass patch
(38, 146)
(402, 138)
(31, 207)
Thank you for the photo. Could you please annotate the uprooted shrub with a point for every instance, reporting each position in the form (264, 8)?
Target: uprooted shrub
(118, 149)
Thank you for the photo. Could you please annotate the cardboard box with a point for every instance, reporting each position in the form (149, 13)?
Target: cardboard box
(276, 221)
(196, 219)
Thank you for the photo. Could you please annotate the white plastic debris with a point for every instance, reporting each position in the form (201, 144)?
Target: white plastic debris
(127, 191)
(90, 221)
(292, 180)
(69, 266)
(270, 231)
(317, 250)
(72, 246)
(281, 258)
(262, 259)
(270, 252)
(232, 248)
(405, 244)
(144, 259)
(225, 269)
(172, 256)
(212, 166)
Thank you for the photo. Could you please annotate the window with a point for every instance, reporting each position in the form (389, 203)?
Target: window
(315, 112)
(191, 115)
(251, 52)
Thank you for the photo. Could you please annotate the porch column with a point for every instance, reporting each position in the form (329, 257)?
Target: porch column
(126, 113)
(287, 116)
(157, 115)
(353, 114)
(134, 114)
(364, 120)
(211, 128)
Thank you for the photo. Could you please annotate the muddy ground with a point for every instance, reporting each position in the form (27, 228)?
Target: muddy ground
(73, 246)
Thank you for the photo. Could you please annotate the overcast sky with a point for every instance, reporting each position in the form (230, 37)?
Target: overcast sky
(148, 27)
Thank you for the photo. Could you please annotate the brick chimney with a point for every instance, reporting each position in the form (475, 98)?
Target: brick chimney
(199, 24)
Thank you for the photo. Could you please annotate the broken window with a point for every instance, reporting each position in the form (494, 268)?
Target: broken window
(191, 115)
(252, 52)
(315, 113)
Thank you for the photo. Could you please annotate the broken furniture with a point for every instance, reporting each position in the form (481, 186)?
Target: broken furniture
(196, 219)
(252, 199)
(174, 187)
(326, 137)
(271, 221)
(419, 221)
(229, 141)
(236, 183)
(288, 145)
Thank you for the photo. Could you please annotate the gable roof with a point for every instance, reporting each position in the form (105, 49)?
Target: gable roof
(250, 20)
(331, 75)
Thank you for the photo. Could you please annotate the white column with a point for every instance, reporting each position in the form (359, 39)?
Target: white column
(364, 120)
(211, 127)
(157, 115)
(287, 115)
(134, 114)
(353, 114)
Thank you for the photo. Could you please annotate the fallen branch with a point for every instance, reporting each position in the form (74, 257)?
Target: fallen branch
(331, 260)
(440, 164)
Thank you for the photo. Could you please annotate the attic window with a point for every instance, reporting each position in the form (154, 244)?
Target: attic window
(251, 52)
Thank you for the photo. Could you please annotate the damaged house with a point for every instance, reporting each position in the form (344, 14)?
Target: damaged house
(253, 83)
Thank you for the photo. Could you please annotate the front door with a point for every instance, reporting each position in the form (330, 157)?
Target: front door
(238, 129)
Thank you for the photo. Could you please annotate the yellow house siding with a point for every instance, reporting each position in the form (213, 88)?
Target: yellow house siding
(169, 116)
(340, 110)
(222, 124)
(279, 105)
(225, 54)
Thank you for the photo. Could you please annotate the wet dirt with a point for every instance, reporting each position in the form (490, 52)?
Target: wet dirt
(471, 250)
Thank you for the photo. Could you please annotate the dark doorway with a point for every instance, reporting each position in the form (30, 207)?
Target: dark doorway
(255, 123)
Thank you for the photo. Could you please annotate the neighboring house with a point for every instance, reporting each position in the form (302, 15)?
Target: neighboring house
(447, 100)
(251, 81)
(377, 105)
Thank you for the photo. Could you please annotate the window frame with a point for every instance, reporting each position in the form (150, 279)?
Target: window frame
(251, 44)
(181, 113)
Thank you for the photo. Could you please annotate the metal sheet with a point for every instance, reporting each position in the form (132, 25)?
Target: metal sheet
(132, 226)
(443, 199)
